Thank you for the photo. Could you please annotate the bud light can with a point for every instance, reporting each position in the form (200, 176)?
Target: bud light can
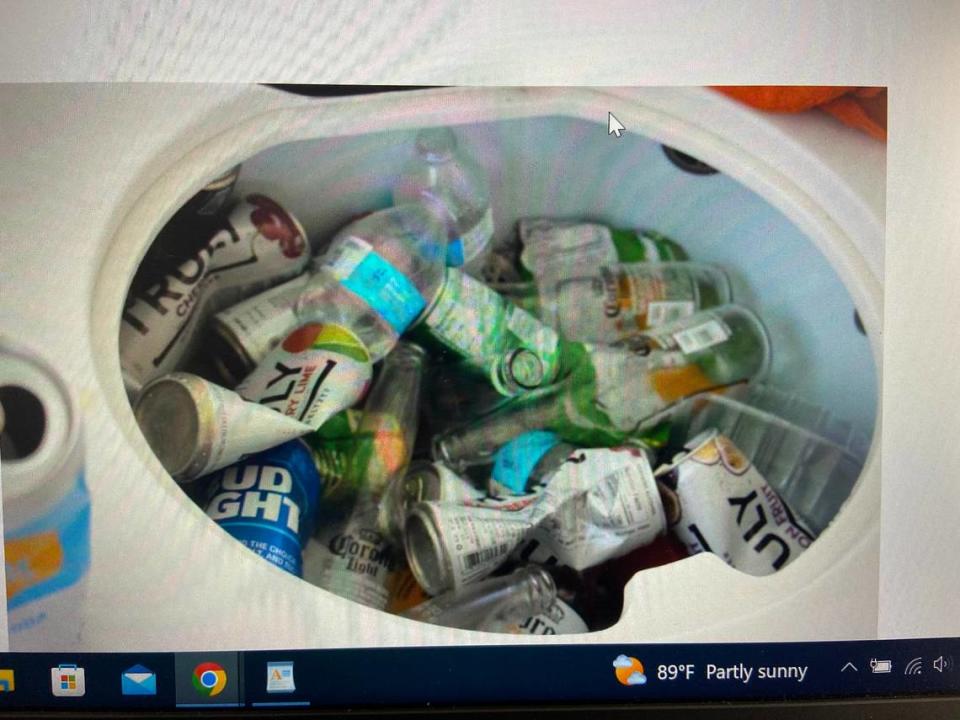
(268, 502)
(46, 506)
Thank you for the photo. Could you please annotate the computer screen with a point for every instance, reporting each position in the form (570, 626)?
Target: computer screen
(437, 394)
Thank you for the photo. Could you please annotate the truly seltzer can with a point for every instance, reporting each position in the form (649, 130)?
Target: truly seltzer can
(195, 426)
(259, 245)
(46, 507)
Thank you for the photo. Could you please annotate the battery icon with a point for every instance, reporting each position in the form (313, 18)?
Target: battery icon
(880, 666)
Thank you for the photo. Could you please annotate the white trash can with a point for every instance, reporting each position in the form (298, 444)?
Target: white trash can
(91, 173)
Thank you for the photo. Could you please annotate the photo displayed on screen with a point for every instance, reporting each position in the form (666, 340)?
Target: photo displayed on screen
(450, 366)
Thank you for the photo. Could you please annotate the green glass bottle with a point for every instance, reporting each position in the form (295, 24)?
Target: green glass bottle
(610, 390)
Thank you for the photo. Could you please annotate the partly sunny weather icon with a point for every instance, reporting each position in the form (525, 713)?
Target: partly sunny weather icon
(629, 670)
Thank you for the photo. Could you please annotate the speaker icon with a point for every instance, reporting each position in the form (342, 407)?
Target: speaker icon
(942, 664)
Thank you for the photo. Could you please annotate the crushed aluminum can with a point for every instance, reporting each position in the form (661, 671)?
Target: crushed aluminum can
(244, 333)
(599, 504)
(195, 427)
(423, 481)
(724, 506)
(46, 505)
(260, 244)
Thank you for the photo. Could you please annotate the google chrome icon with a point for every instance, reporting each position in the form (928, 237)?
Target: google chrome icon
(209, 679)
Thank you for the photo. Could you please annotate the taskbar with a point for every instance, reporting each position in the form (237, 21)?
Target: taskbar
(611, 675)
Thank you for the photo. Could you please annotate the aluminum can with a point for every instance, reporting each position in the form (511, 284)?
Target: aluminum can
(260, 245)
(317, 370)
(189, 228)
(729, 509)
(46, 506)
(244, 333)
(195, 426)
(424, 481)
(268, 502)
(598, 504)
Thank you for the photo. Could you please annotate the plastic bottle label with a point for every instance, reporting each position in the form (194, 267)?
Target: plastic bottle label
(471, 243)
(374, 280)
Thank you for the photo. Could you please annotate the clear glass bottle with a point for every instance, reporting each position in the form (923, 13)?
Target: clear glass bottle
(379, 275)
(358, 560)
(497, 601)
(613, 302)
(605, 397)
(457, 188)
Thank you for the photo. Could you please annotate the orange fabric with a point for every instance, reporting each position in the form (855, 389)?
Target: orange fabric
(864, 108)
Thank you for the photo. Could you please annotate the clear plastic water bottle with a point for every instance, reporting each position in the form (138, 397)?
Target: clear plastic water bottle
(379, 275)
(457, 189)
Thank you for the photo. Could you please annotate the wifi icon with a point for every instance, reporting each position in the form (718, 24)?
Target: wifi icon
(914, 666)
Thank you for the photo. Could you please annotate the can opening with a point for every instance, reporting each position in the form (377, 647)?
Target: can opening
(23, 425)
(171, 442)
(423, 558)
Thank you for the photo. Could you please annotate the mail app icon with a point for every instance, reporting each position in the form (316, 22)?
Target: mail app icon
(138, 680)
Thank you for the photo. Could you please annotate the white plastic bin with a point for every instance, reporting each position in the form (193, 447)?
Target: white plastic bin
(91, 173)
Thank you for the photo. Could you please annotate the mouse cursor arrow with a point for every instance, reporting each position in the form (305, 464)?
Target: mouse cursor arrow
(614, 126)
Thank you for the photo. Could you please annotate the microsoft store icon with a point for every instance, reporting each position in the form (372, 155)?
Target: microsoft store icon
(67, 681)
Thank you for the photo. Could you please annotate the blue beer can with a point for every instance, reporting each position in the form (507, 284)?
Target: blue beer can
(268, 502)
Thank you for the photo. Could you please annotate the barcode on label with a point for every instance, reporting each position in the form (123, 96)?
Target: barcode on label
(484, 556)
(664, 311)
(702, 336)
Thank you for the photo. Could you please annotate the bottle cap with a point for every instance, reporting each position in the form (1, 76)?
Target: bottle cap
(436, 143)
